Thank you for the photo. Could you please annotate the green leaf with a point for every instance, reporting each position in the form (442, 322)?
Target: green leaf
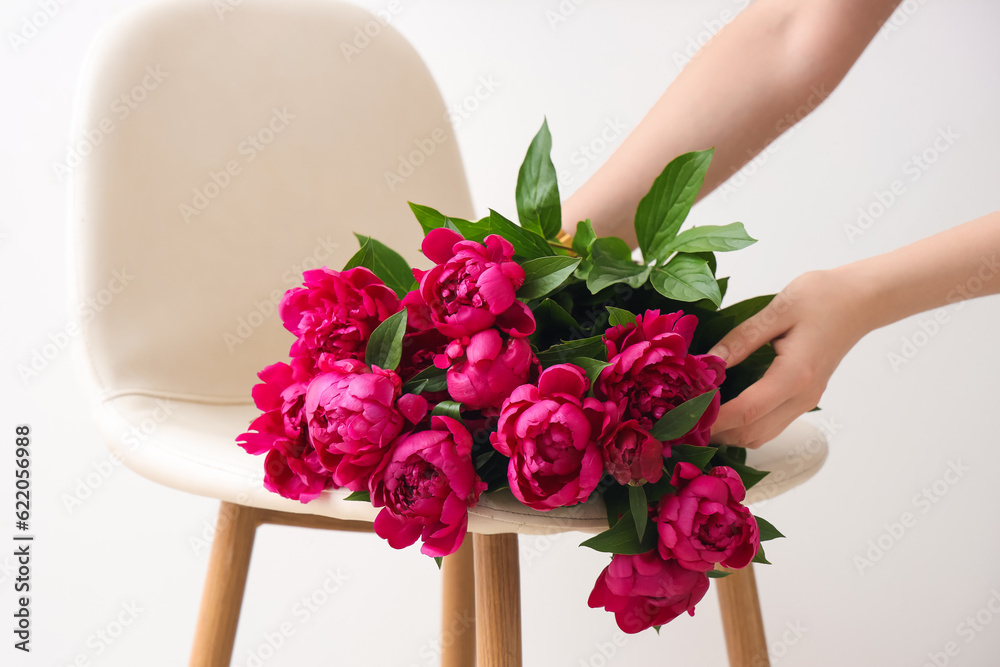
(360, 495)
(616, 500)
(621, 538)
(527, 244)
(545, 274)
(448, 409)
(747, 372)
(385, 263)
(749, 476)
(683, 418)
(759, 557)
(593, 348)
(717, 574)
(767, 530)
(686, 278)
(385, 345)
(583, 238)
(640, 509)
(744, 310)
(439, 560)
(431, 378)
(612, 263)
(712, 238)
(656, 490)
(593, 367)
(620, 316)
(537, 193)
(663, 210)
(693, 454)
(430, 218)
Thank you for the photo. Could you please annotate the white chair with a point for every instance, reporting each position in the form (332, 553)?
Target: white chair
(226, 147)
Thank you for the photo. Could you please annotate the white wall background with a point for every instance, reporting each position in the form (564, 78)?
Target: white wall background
(895, 431)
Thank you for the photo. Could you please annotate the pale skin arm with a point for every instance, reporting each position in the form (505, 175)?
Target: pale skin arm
(820, 316)
(766, 70)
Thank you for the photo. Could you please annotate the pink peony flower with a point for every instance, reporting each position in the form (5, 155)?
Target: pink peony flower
(704, 522)
(632, 455)
(353, 414)
(292, 468)
(485, 369)
(549, 432)
(646, 590)
(472, 287)
(426, 487)
(334, 314)
(651, 372)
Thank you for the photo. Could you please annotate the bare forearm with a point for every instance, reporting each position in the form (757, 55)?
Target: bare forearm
(761, 74)
(954, 265)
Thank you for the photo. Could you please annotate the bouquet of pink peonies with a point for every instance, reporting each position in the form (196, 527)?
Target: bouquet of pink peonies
(556, 367)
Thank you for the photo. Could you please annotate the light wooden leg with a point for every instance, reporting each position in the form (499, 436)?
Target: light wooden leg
(458, 608)
(741, 619)
(224, 584)
(498, 601)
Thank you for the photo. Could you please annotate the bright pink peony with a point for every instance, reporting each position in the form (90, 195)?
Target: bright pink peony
(651, 372)
(550, 434)
(632, 455)
(353, 414)
(704, 522)
(426, 487)
(472, 287)
(485, 369)
(334, 314)
(292, 468)
(646, 590)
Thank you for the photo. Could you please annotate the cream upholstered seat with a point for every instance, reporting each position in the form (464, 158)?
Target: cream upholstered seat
(226, 147)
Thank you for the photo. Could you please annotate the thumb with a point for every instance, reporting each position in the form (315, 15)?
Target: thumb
(750, 335)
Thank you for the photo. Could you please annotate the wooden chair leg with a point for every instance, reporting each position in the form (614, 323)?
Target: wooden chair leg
(458, 608)
(224, 585)
(741, 619)
(498, 601)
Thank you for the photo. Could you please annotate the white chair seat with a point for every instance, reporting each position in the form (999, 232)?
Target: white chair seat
(191, 446)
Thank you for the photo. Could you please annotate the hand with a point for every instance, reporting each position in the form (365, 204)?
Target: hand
(812, 324)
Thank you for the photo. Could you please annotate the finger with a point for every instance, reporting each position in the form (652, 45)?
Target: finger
(766, 428)
(776, 386)
(750, 335)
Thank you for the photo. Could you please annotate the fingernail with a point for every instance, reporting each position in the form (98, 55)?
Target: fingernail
(720, 351)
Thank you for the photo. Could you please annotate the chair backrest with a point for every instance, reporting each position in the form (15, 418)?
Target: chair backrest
(223, 148)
